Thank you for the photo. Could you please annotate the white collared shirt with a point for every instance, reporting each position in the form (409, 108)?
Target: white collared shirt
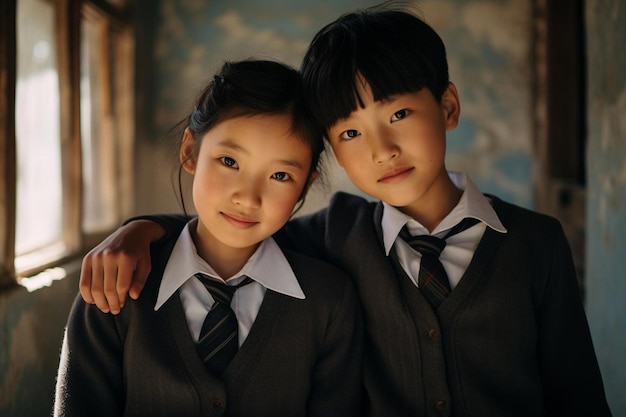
(460, 248)
(268, 267)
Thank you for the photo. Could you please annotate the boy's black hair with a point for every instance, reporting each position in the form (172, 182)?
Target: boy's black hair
(392, 49)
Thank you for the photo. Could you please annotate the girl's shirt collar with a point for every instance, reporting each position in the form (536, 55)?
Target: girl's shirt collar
(267, 266)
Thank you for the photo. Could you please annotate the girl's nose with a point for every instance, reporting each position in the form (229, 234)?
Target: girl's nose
(247, 194)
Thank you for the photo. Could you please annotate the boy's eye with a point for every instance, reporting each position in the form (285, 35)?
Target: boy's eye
(349, 134)
(229, 162)
(281, 176)
(399, 115)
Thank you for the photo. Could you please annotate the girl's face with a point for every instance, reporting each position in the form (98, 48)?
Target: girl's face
(248, 176)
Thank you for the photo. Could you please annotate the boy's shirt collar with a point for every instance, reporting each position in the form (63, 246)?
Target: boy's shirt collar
(473, 204)
(267, 266)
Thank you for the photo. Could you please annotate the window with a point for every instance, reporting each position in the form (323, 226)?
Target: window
(66, 129)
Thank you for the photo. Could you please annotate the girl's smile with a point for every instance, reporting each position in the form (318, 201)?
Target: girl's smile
(239, 221)
(248, 175)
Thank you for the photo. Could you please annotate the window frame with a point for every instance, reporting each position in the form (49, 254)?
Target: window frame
(70, 15)
(560, 128)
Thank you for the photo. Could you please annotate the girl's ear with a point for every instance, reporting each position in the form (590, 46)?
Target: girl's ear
(187, 147)
(307, 186)
(314, 175)
(451, 106)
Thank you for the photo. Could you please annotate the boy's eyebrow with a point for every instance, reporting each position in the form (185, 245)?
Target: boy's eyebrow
(390, 98)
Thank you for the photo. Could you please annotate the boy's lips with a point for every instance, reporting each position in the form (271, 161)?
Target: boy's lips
(395, 175)
(239, 221)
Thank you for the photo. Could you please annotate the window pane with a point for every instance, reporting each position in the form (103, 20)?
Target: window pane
(39, 182)
(98, 141)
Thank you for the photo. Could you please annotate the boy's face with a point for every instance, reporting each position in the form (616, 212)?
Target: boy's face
(394, 150)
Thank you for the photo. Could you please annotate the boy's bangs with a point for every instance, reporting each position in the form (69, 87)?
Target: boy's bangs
(353, 51)
(333, 93)
(332, 89)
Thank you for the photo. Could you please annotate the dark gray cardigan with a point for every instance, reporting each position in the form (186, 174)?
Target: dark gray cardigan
(511, 340)
(301, 358)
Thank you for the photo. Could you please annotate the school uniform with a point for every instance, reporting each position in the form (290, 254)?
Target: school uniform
(510, 340)
(300, 343)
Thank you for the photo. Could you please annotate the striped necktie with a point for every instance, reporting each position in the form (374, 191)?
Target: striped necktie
(432, 279)
(219, 341)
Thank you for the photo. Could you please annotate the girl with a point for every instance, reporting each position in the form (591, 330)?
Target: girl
(293, 322)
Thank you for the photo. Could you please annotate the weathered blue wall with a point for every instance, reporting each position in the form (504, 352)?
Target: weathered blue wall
(606, 208)
(488, 46)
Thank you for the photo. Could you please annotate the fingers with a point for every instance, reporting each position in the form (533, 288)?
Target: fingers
(126, 268)
(139, 278)
(121, 260)
(112, 267)
(97, 281)
(106, 277)
(85, 281)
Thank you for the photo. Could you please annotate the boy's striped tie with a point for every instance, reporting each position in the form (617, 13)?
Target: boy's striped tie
(432, 280)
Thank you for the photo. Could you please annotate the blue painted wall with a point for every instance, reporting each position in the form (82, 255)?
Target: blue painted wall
(606, 208)
(488, 46)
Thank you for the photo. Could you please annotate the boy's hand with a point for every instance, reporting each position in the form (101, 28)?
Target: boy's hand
(119, 265)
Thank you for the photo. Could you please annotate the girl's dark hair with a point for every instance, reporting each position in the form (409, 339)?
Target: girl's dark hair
(391, 48)
(253, 87)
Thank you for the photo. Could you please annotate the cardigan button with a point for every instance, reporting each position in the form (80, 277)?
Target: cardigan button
(440, 406)
(218, 403)
(433, 334)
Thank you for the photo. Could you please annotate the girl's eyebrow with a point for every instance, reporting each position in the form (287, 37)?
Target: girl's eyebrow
(288, 162)
(227, 143)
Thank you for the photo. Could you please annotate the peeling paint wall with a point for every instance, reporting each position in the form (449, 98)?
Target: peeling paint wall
(488, 45)
(606, 205)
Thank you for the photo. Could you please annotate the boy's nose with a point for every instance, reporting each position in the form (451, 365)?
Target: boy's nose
(384, 149)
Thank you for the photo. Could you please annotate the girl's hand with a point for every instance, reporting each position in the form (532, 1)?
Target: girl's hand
(119, 265)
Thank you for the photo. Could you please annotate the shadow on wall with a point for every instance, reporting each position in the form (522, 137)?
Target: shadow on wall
(31, 337)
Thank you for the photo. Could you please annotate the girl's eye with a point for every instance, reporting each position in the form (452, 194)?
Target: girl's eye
(281, 176)
(349, 134)
(399, 115)
(229, 162)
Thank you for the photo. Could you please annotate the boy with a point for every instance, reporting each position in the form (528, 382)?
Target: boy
(511, 338)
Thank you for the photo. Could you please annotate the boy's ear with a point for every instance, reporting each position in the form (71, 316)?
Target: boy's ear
(187, 157)
(451, 106)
